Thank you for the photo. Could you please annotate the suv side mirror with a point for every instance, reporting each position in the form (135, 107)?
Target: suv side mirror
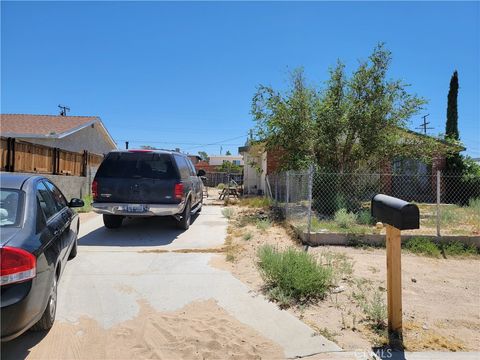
(201, 172)
(76, 203)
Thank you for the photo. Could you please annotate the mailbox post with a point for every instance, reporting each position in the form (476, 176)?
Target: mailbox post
(397, 215)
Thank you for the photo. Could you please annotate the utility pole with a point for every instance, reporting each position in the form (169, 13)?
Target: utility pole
(221, 149)
(423, 126)
(63, 110)
(126, 145)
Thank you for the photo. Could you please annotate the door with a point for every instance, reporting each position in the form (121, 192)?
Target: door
(61, 204)
(187, 178)
(54, 220)
(197, 182)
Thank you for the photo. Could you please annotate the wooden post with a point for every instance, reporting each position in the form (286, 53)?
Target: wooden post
(394, 284)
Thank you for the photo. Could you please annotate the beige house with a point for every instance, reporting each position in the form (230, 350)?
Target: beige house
(73, 133)
(218, 160)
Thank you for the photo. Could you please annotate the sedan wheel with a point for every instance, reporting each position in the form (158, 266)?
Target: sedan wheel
(48, 317)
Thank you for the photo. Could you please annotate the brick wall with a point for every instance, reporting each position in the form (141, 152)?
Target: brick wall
(274, 160)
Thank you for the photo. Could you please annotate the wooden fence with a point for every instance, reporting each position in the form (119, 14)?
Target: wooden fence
(22, 156)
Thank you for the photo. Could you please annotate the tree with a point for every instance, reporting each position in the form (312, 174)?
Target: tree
(230, 168)
(203, 155)
(353, 122)
(451, 128)
(228, 153)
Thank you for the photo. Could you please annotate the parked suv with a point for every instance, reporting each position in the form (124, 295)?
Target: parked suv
(144, 183)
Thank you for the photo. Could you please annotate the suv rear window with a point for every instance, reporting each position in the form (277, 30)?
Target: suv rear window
(137, 165)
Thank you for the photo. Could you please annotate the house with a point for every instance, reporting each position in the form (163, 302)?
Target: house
(73, 133)
(218, 160)
(259, 163)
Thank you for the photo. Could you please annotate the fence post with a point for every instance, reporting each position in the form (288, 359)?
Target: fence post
(438, 203)
(309, 216)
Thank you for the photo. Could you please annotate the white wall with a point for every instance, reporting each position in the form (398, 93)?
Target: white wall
(217, 160)
(254, 180)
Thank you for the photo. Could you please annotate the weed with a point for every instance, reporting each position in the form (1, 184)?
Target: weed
(458, 249)
(228, 212)
(263, 224)
(474, 204)
(365, 218)
(88, 199)
(345, 219)
(247, 236)
(256, 202)
(221, 186)
(424, 246)
(340, 263)
(375, 310)
(327, 334)
(293, 276)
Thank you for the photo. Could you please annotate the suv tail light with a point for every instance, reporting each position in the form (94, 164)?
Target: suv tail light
(17, 265)
(179, 191)
(94, 190)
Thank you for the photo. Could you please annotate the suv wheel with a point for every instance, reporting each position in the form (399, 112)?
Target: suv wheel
(184, 222)
(112, 221)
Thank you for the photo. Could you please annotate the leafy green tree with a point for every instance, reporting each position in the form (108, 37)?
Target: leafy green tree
(228, 153)
(352, 123)
(203, 155)
(229, 167)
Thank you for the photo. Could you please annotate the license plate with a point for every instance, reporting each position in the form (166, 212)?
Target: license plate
(135, 208)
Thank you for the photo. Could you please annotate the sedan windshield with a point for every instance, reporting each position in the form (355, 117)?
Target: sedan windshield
(10, 207)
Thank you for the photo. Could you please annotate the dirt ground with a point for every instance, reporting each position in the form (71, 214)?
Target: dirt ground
(200, 330)
(441, 303)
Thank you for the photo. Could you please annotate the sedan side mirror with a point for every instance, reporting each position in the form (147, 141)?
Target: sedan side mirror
(76, 203)
(201, 172)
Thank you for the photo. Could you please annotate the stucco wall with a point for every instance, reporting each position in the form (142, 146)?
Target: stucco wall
(72, 186)
(89, 139)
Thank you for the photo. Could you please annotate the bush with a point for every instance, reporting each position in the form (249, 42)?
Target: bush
(228, 212)
(88, 199)
(247, 236)
(364, 217)
(424, 246)
(456, 248)
(221, 186)
(474, 204)
(263, 224)
(376, 310)
(256, 202)
(293, 275)
(344, 219)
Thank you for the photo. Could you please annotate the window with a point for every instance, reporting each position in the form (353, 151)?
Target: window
(58, 198)
(193, 172)
(182, 166)
(137, 165)
(236, 162)
(11, 204)
(46, 200)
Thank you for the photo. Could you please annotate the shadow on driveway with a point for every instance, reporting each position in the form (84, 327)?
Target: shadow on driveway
(151, 231)
(19, 348)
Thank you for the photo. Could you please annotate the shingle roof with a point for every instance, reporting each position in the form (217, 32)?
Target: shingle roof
(42, 125)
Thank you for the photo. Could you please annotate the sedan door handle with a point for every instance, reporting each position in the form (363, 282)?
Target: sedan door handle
(56, 232)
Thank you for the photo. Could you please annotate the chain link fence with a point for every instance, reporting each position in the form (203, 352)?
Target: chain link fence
(213, 179)
(316, 201)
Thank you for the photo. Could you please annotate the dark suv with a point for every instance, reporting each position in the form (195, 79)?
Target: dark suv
(147, 183)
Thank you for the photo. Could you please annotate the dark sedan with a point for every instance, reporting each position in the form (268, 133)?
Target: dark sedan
(38, 234)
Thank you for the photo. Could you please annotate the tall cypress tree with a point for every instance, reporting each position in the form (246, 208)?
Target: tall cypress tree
(451, 129)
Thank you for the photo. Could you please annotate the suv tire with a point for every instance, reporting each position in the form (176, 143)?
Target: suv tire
(184, 222)
(112, 221)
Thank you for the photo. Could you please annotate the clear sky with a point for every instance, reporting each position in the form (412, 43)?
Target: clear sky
(183, 74)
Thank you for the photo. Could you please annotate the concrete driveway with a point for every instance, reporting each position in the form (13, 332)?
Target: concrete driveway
(116, 271)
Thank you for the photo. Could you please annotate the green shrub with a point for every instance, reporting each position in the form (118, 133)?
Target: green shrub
(344, 219)
(256, 202)
(263, 224)
(221, 186)
(364, 217)
(456, 248)
(247, 236)
(474, 204)
(88, 199)
(293, 275)
(228, 212)
(375, 310)
(424, 246)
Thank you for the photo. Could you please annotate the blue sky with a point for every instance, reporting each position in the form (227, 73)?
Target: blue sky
(183, 74)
